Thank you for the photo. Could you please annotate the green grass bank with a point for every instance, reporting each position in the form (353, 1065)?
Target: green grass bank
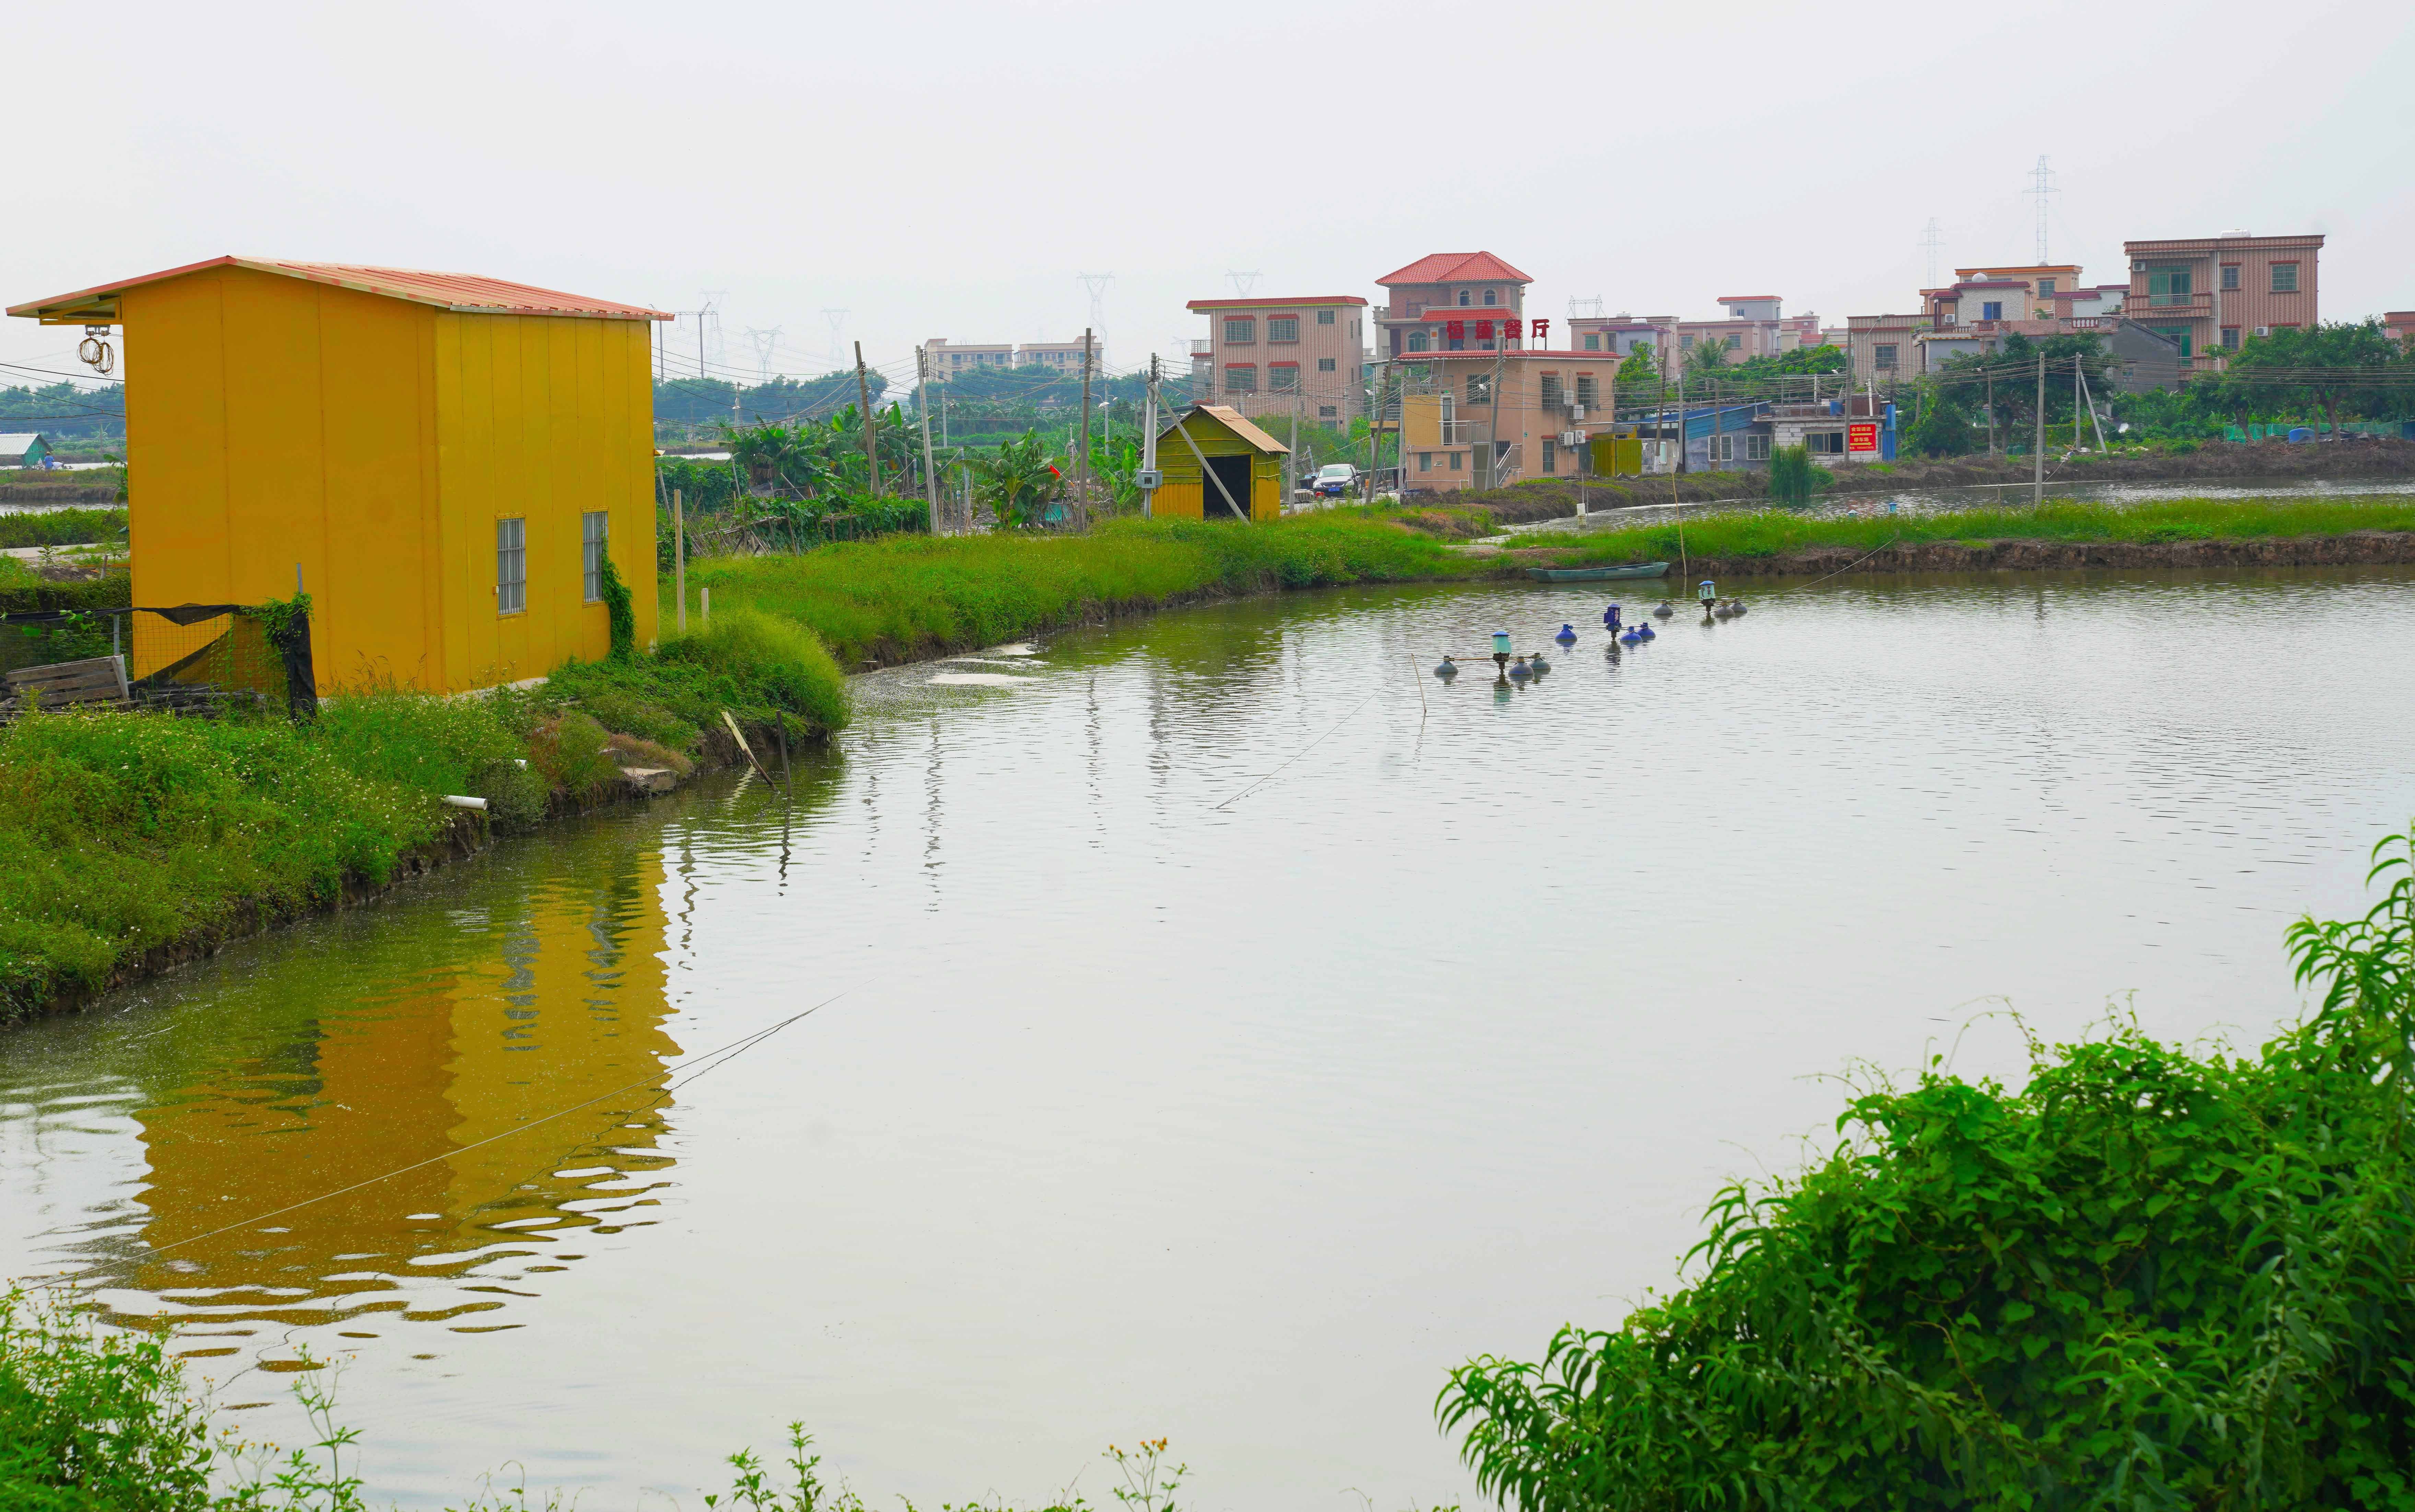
(1774, 532)
(131, 841)
(905, 597)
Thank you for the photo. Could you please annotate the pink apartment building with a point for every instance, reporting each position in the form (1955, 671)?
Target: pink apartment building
(1755, 326)
(1280, 357)
(2213, 292)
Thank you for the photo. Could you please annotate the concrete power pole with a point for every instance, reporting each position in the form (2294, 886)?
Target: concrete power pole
(1148, 440)
(871, 448)
(923, 410)
(1082, 474)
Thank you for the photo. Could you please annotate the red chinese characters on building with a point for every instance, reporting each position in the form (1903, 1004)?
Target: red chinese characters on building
(1455, 330)
(1542, 331)
(1862, 436)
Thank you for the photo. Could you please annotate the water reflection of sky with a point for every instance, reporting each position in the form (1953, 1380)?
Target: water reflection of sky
(1240, 1026)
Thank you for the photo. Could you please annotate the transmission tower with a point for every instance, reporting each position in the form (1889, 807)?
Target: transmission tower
(1580, 310)
(1932, 241)
(2041, 188)
(1097, 285)
(837, 319)
(766, 343)
(709, 325)
(1243, 282)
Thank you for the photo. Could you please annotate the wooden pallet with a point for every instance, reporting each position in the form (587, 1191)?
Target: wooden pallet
(97, 680)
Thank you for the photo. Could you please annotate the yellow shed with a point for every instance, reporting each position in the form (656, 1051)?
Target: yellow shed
(1247, 460)
(441, 459)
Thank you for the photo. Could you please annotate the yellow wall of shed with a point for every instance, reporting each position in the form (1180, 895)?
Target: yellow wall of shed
(276, 421)
(1186, 494)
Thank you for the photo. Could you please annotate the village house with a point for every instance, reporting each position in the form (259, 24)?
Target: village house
(2208, 295)
(944, 360)
(1303, 358)
(1551, 405)
(1474, 288)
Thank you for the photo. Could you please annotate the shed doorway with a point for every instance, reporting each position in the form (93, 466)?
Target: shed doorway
(1234, 472)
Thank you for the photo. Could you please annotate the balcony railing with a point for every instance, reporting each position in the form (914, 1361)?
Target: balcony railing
(2180, 305)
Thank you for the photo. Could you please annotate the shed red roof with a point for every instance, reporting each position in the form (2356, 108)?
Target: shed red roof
(1257, 304)
(463, 291)
(1454, 267)
(1738, 299)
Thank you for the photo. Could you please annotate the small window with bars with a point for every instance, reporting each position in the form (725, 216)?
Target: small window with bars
(1324, 317)
(1241, 331)
(511, 565)
(1283, 376)
(1552, 395)
(2285, 278)
(1282, 328)
(1588, 392)
(594, 533)
(1324, 365)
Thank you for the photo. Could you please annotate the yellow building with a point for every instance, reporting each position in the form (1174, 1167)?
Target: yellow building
(443, 459)
(1247, 460)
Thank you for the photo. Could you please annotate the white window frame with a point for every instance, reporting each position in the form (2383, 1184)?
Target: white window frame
(594, 549)
(511, 565)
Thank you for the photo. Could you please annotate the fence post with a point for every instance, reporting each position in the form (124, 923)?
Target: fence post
(301, 679)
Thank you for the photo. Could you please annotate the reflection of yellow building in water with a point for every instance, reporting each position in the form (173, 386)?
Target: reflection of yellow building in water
(490, 1021)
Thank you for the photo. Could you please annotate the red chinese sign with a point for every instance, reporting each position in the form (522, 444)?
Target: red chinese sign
(1862, 436)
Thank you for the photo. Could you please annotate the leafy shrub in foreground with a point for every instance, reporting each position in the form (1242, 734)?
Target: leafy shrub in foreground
(2146, 1278)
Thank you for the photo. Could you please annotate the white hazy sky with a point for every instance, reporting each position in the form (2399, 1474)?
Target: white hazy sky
(947, 169)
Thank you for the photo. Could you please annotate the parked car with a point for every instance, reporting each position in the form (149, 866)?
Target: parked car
(1334, 480)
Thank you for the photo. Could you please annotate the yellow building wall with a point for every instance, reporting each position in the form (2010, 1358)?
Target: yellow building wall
(542, 419)
(274, 422)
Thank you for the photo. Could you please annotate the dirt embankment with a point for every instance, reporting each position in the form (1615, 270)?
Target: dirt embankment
(2355, 548)
(2218, 462)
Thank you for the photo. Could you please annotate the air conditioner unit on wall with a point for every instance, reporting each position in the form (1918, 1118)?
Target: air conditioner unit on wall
(1572, 438)
(2263, 329)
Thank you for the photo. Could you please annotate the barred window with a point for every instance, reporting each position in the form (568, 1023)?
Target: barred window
(1882, 355)
(1479, 388)
(594, 529)
(1324, 365)
(1240, 330)
(2285, 278)
(1324, 317)
(1553, 396)
(1283, 375)
(1588, 393)
(1283, 328)
(1242, 379)
(511, 565)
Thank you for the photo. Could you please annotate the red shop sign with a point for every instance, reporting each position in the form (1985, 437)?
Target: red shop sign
(1862, 436)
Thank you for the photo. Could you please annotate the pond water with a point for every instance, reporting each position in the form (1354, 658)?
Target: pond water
(1224, 1028)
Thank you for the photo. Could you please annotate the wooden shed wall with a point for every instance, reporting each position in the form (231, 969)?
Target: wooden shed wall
(1187, 495)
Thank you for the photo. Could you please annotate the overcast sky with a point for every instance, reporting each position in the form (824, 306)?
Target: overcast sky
(948, 169)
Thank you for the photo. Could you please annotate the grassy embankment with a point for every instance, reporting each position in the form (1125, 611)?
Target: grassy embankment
(1777, 531)
(907, 597)
(126, 834)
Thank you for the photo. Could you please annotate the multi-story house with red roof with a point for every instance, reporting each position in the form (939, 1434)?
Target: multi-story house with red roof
(1477, 294)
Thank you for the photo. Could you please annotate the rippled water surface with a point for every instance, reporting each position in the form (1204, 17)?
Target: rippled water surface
(1235, 1028)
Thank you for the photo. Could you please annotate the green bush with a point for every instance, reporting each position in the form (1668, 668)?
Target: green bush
(62, 527)
(765, 664)
(2147, 1279)
(423, 740)
(94, 1420)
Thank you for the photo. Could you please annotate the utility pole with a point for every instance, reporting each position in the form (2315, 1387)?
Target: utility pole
(1083, 522)
(1148, 440)
(2075, 365)
(871, 450)
(2038, 459)
(922, 411)
(1992, 411)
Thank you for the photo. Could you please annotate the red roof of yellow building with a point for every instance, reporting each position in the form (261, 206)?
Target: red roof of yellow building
(464, 291)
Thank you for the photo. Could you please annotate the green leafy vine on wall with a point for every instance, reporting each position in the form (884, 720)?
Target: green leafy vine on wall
(622, 610)
(285, 619)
